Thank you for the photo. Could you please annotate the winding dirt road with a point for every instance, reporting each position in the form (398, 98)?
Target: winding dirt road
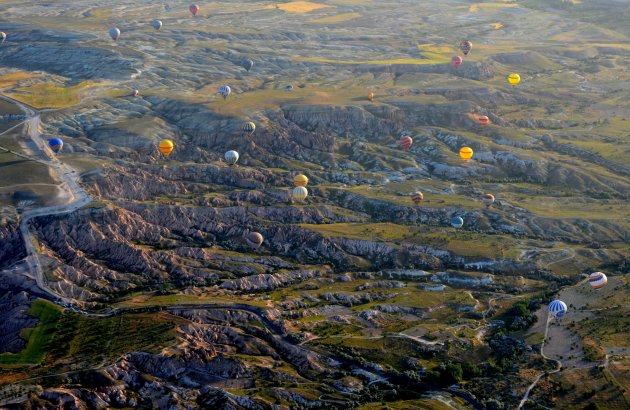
(76, 197)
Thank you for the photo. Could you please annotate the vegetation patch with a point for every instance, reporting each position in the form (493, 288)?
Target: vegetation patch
(39, 338)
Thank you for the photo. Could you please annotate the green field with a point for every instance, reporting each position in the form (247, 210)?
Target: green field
(40, 338)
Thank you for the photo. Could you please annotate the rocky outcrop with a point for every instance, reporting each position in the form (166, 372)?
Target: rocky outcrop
(263, 282)
(11, 246)
(70, 60)
(13, 320)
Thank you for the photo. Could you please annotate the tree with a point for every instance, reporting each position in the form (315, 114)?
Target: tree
(451, 373)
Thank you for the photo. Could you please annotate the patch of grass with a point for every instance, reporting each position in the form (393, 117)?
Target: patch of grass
(166, 300)
(39, 338)
(380, 231)
(299, 7)
(50, 95)
(9, 80)
(78, 338)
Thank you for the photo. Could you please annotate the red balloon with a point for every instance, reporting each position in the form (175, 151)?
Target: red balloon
(457, 61)
(406, 142)
(194, 9)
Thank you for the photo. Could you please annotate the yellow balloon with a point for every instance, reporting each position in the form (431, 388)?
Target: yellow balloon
(514, 79)
(466, 153)
(166, 147)
(300, 180)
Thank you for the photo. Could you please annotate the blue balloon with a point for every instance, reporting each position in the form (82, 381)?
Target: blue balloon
(457, 222)
(55, 144)
(558, 308)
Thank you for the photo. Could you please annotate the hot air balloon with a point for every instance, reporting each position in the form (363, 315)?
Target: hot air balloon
(371, 96)
(166, 147)
(457, 61)
(157, 24)
(457, 222)
(289, 87)
(465, 46)
(300, 180)
(3, 37)
(134, 93)
(254, 240)
(249, 128)
(417, 197)
(405, 142)
(484, 120)
(299, 193)
(231, 157)
(55, 144)
(247, 64)
(194, 9)
(488, 200)
(597, 280)
(114, 33)
(558, 308)
(514, 79)
(225, 90)
(466, 153)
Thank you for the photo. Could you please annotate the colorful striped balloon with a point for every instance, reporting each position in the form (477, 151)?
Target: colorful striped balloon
(299, 193)
(55, 144)
(249, 128)
(484, 120)
(465, 46)
(558, 308)
(406, 141)
(488, 200)
(417, 197)
(597, 280)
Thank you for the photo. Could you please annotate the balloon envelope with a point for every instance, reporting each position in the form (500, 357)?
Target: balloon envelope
(465, 46)
(558, 308)
(249, 128)
(484, 120)
(166, 147)
(231, 157)
(488, 199)
(254, 240)
(597, 280)
(466, 153)
(457, 61)
(135, 93)
(457, 222)
(114, 33)
(371, 96)
(3, 37)
(248, 64)
(225, 90)
(514, 79)
(55, 144)
(417, 197)
(299, 193)
(157, 24)
(300, 180)
(194, 9)
(406, 141)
